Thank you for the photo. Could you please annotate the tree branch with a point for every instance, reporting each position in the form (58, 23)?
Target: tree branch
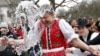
(36, 3)
(66, 1)
(74, 1)
(63, 2)
(63, 5)
(60, 4)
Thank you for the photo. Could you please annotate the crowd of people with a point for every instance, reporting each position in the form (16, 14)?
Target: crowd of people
(88, 31)
(6, 30)
(56, 36)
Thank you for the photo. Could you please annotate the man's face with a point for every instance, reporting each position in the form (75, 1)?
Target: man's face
(46, 18)
(82, 31)
(90, 21)
(4, 30)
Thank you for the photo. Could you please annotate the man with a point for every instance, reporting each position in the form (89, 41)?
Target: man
(52, 33)
(74, 25)
(90, 23)
(85, 34)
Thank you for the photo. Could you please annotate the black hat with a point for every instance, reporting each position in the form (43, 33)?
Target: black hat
(82, 22)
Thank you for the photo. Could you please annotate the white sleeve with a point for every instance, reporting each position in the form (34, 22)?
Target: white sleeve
(67, 30)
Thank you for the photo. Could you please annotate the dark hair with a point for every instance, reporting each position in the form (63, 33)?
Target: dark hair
(98, 25)
(22, 17)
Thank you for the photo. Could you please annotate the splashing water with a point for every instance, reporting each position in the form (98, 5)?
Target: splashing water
(28, 10)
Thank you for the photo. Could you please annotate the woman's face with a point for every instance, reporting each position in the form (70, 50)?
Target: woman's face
(18, 26)
(47, 18)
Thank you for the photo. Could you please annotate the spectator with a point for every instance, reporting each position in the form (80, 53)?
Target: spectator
(25, 23)
(97, 39)
(7, 50)
(90, 23)
(84, 34)
(18, 31)
(10, 27)
(74, 25)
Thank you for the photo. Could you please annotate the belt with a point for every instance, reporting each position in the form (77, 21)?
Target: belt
(53, 50)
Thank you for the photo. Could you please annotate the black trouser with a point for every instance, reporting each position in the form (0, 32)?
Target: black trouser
(7, 52)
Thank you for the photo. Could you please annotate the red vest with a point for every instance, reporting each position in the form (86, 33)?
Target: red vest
(52, 36)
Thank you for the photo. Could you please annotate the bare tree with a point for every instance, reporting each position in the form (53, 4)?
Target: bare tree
(36, 2)
(56, 5)
(11, 7)
(62, 3)
(52, 2)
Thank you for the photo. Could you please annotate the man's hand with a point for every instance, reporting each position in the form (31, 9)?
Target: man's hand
(95, 50)
(11, 41)
(4, 40)
(68, 50)
(15, 42)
